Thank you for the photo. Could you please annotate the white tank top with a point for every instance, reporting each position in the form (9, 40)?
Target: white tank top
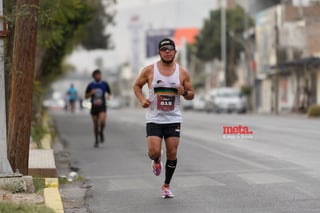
(165, 101)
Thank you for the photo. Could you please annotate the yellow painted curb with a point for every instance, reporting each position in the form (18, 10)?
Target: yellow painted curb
(51, 183)
(52, 196)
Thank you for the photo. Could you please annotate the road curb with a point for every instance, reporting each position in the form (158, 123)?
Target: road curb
(51, 192)
(52, 196)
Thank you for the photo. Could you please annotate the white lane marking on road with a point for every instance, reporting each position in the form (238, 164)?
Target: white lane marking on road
(263, 178)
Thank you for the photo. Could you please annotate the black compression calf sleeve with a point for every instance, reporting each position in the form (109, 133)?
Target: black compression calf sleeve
(170, 167)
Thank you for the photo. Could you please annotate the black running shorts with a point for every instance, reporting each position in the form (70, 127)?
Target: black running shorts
(97, 110)
(163, 130)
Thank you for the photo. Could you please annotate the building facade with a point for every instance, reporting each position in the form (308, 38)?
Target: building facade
(287, 51)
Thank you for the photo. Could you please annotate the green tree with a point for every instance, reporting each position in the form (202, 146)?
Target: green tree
(61, 23)
(209, 39)
(95, 36)
(62, 26)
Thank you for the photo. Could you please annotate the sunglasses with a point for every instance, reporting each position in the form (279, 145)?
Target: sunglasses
(167, 47)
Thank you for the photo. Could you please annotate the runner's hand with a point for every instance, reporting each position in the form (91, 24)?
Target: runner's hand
(92, 92)
(145, 103)
(180, 90)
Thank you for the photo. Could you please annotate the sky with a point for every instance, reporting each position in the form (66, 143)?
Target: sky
(151, 14)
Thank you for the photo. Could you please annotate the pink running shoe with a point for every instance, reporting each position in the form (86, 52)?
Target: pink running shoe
(166, 192)
(156, 167)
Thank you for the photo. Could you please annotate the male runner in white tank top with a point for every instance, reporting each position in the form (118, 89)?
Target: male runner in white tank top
(167, 81)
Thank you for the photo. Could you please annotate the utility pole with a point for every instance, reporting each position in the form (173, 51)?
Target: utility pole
(276, 74)
(5, 167)
(249, 57)
(23, 64)
(135, 28)
(184, 53)
(223, 41)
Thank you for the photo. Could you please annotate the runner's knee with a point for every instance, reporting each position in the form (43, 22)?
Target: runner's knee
(153, 154)
(172, 154)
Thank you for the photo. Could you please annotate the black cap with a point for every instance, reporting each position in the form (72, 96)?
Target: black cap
(165, 42)
(97, 71)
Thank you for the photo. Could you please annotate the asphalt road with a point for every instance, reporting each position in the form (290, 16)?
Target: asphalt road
(276, 169)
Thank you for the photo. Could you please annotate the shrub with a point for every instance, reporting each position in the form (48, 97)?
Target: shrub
(314, 111)
(38, 183)
(246, 90)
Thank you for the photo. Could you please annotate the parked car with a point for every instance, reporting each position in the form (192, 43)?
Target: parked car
(186, 104)
(225, 99)
(115, 103)
(54, 103)
(199, 103)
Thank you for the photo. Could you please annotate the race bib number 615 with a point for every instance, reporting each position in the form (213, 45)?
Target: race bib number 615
(165, 103)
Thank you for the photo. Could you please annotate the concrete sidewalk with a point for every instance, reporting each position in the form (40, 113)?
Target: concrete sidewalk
(42, 163)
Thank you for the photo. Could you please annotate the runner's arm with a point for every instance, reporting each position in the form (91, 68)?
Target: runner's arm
(89, 92)
(141, 80)
(108, 90)
(188, 88)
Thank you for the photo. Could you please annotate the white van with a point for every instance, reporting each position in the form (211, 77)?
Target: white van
(225, 99)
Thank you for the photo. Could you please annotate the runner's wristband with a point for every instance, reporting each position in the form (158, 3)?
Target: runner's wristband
(185, 93)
